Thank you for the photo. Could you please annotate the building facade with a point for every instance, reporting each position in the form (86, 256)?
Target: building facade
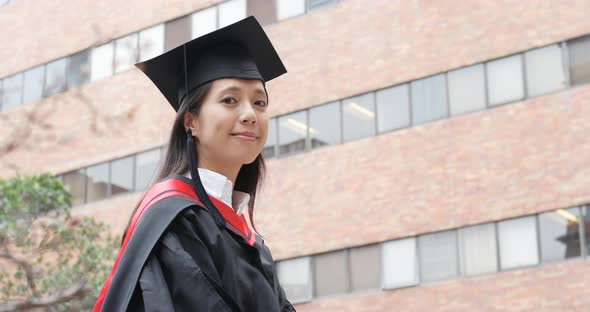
(422, 155)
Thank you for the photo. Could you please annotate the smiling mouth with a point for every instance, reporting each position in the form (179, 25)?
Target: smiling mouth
(245, 137)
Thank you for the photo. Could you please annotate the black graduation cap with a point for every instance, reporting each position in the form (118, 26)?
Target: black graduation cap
(240, 50)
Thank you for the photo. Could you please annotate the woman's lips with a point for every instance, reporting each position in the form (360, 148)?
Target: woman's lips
(250, 137)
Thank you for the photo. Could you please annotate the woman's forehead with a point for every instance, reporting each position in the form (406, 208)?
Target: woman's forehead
(238, 84)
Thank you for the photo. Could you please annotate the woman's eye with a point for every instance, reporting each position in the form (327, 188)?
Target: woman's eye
(229, 100)
(260, 103)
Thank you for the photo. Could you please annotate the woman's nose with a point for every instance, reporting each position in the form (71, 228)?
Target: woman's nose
(248, 115)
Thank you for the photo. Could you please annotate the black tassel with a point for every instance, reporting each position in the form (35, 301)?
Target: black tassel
(198, 186)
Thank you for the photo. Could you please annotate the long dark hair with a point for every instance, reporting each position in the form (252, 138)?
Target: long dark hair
(176, 162)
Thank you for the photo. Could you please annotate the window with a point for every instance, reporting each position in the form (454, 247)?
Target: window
(101, 61)
(314, 4)
(146, 164)
(429, 99)
(295, 278)
(365, 267)
(12, 87)
(3, 2)
(55, 77)
(587, 228)
(438, 256)
(78, 71)
(33, 84)
(231, 12)
(393, 108)
(518, 242)
(579, 59)
(505, 80)
(289, 8)
(177, 32)
(331, 273)
(97, 182)
(271, 139)
(544, 70)
(264, 10)
(324, 124)
(122, 175)
(560, 234)
(399, 263)
(203, 22)
(467, 91)
(76, 183)
(292, 133)
(126, 52)
(358, 117)
(479, 254)
(151, 42)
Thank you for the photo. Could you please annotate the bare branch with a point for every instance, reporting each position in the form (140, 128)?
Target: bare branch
(77, 291)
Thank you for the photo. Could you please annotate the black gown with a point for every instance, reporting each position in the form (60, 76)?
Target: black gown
(175, 258)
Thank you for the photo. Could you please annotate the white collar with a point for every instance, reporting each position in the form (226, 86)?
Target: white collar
(221, 188)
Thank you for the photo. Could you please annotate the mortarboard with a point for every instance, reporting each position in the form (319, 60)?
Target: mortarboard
(240, 50)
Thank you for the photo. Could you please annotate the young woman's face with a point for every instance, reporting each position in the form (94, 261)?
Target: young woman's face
(232, 124)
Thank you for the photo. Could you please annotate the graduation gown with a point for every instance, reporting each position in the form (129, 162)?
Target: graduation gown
(175, 258)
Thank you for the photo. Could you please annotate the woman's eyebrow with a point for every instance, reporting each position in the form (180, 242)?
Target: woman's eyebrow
(258, 91)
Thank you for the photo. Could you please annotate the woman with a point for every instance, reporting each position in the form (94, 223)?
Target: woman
(188, 246)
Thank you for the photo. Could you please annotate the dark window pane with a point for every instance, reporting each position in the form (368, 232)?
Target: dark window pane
(544, 70)
(177, 32)
(33, 88)
(151, 42)
(78, 69)
(97, 182)
(126, 52)
(264, 10)
(358, 117)
(393, 108)
(122, 175)
(438, 256)
(518, 242)
(271, 139)
(292, 133)
(231, 11)
(289, 8)
(55, 77)
(560, 234)
(331, 273)
(467, 91)
(101, 61)
(365, 267)
(324, 124)
(295, 278)
(429, 99)
(478, 249)
(76, 183)
(12, 88)
(579, 57)
(146, 164)
(505, 80)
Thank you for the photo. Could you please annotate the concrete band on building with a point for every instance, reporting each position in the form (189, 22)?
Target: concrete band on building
(422, 155)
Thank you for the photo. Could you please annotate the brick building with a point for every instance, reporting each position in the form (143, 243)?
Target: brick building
(422, 155)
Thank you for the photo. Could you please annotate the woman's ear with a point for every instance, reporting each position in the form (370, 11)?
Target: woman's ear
(190, 122)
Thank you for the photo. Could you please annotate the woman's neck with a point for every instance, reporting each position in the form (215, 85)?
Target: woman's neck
(229, 172)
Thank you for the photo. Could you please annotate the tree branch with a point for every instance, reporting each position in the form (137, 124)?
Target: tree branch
(26, 266)
(77, 291)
